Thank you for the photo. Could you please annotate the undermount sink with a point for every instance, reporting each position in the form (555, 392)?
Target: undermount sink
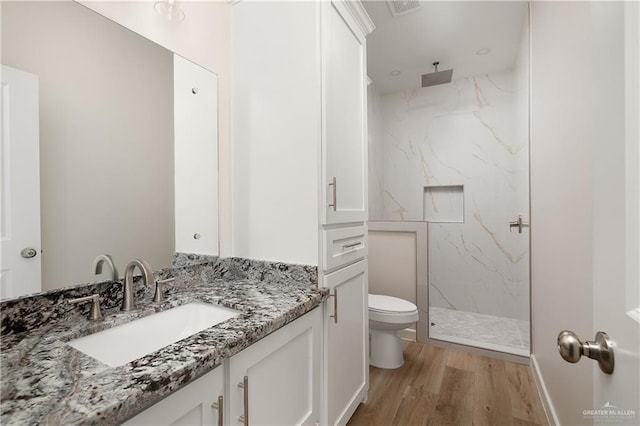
(122, 344)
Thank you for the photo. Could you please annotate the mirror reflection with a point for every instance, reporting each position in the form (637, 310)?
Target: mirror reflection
(95, 103)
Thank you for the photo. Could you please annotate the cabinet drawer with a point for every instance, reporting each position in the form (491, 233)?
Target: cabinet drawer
(343, 245)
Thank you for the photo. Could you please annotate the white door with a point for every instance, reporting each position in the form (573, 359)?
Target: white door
(20, 171)
(197, 404)
(616, 235)
(344, 119)
(347, 342)
(276, 381)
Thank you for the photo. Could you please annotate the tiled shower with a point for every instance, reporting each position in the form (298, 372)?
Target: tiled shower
(457, 156)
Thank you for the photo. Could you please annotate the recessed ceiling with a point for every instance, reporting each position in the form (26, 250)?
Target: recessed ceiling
(447, 31)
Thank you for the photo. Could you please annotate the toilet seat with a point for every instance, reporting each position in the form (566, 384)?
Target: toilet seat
(390, 304)
(391, 310)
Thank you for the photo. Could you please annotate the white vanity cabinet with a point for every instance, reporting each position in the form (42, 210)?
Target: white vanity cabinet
(277, 381)
(300, 164)
(283, 384)
(346, 348)
(198, 403)
(344, 141)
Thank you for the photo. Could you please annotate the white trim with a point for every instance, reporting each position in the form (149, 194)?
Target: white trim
(359, 15)
(504, 356)
(484, 345)
(547, 404)
(422, 271)
(408, 334)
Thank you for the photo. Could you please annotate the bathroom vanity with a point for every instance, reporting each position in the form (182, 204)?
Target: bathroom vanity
(272, 349)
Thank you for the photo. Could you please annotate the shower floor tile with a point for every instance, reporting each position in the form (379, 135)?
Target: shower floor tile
(485, 331)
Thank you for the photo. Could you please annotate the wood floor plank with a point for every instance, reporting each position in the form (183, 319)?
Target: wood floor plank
(523, 394)
(492, 405)
(444, 386)
(455, 401)
(461, 360)
(429, 375)
(416, 408)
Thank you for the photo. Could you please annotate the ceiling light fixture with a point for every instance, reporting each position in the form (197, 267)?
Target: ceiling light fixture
(170, 10)
(395, 73)
(483, 51)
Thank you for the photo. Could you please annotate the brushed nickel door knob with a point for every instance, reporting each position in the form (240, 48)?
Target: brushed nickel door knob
(572, 349)
(28, 253)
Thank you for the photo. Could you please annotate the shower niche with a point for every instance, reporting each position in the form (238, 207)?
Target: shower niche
(443, 204)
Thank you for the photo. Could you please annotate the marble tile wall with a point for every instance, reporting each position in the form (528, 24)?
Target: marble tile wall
(471, 133)
(376, 153)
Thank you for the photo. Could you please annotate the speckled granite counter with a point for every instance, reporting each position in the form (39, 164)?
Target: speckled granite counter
(45, 381)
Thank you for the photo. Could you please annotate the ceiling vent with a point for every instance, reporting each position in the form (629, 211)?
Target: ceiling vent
(402, 7)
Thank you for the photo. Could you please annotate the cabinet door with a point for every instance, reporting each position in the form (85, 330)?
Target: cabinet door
(283, 376)
(191, 405)
(344, 168)
(347, 342)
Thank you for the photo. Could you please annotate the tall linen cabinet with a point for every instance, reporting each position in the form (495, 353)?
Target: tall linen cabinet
(299, 174)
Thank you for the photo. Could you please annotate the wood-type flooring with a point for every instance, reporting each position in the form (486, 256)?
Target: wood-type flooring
(443, 386)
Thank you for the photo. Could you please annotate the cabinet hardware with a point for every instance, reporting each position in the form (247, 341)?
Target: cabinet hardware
(335, 200)
(244, 385)
(335, 306)
(351, 245)
(95, 313)
(219, 407)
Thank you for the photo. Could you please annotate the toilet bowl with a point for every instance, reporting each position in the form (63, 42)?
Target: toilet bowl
(387, 316)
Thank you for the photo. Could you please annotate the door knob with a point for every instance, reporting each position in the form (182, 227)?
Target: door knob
(28, 253)
(572, 349)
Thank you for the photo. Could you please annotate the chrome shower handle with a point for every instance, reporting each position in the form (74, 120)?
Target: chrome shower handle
(518, 224)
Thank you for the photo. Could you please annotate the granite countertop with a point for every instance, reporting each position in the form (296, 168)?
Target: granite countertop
(45, 381)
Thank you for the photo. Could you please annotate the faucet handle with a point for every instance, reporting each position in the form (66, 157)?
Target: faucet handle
(96, 313)
(159, 294)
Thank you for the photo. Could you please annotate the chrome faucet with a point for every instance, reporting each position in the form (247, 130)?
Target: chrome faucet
(105, 259)
(128, 300)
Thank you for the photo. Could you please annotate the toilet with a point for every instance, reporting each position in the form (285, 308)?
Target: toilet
(387, 316)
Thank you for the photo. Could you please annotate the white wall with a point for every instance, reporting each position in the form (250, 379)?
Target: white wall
(106, 137)
(562, 129)
(392, 264)
(204, 38)
(276, 131)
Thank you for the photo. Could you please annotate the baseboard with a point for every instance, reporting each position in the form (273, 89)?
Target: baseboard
(505, 356)
(408, 334)
(547, 404)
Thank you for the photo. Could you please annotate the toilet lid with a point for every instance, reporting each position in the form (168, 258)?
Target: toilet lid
(381, 303)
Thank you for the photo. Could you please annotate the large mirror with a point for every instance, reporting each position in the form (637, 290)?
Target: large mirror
(125, 133)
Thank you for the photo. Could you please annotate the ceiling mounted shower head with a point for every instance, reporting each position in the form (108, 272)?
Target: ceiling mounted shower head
(437, 77)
